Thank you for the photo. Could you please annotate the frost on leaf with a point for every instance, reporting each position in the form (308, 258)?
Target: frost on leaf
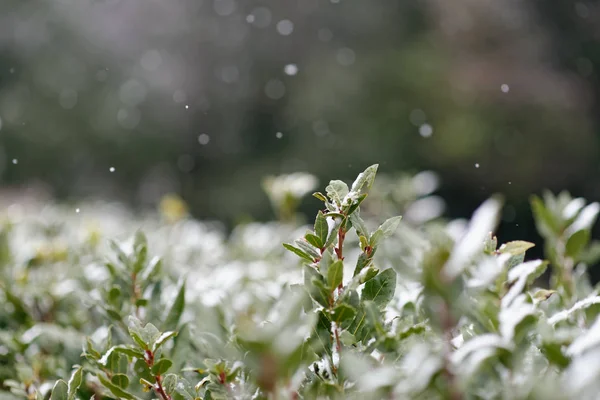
(483, 222)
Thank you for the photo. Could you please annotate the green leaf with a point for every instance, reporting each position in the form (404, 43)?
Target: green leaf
(313, 240)
(307, 248)
(162, 366)
(120, 380)
(120, 253)
(145, 336)
(298, 252)
(169, 383)
(123, 349)
(369, 274)
(546, 223)
(321, 228)
(359, 224)
(176, 310)
(142, 370)
(363, 260)
(140, 249)
(343, 312)
(591, 255)
(313, 281)
(334, 224)
(320, 196)
(347, 338)
(141, 302)
(162, 339)
(386, 230)
(365, 179)
(335, 274)
(60, 391)
(577, 242)
(516, 247)
(352, 209)
(381, 289)
(90, 349)
(152, 270)
(490, 244)
(114, 295)
(337, 190)
(116, 390)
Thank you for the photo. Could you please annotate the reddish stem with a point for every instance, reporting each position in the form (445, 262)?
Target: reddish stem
(158, 388)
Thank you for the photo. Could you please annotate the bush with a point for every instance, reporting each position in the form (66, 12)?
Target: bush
(423, 308)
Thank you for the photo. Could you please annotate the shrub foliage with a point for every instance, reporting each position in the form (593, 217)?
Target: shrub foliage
(347, 308)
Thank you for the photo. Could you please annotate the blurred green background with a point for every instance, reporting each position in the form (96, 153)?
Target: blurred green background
(131, 99)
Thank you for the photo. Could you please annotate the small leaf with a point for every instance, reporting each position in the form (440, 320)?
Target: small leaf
(120, 253)
(337, 190)
(123, 349)
(321, 228)
(142, 370)
(313, 281)
(176, 310)
(543, 294)
(545, 222)
(362, 262)
(162, 339)
(116, 390)
(516, 247)
(141, 302)
(90, 349)
(490, 244)
(162, 366)
(135, 331)
(365, 179)
(333, 227)
(60, 391)
(121, 380)
(140, 250)
(386, 230)
(484, 220)
(152, 270)
(335, 274)
(381, 289)
(347, 338)
(169, 383)
(359, 224)
(368, 274)
(320, 196)
(356, 203)
(577, 242)
(306, 247)
(343, 312)
(313, 240)
(298, 252)
(75, 382)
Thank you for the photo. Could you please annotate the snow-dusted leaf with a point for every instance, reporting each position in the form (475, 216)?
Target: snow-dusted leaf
(476, 350)
(586, 218)
(590, 339)
(336, 190)
(513, 314)
(420, 366)
(365, 179)
(483, 222)
(580, 305)
(487, 270)
(573, 208)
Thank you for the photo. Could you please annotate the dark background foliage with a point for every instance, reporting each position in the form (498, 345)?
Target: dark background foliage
(189, 97)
